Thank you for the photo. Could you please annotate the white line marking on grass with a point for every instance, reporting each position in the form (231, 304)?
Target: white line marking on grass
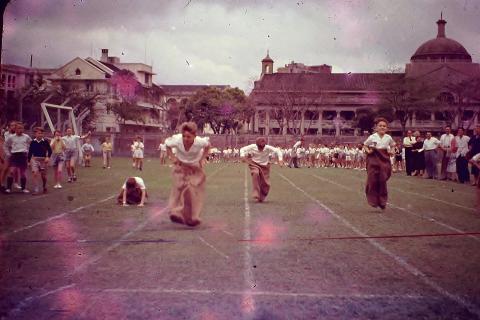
(116, 243)
(399, 260)
(58, 216)
(119, 241)
(214, 249)
(248, 303)
(261, 293)
(426, 217)
(61, 191)
(229, 233)
(25, 302)
(427, 197)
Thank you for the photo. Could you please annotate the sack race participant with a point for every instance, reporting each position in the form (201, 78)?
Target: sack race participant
(133, 191)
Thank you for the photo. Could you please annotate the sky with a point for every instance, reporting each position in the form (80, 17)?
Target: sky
(224, 41)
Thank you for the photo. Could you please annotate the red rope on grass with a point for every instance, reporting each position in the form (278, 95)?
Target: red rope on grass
(369, 237)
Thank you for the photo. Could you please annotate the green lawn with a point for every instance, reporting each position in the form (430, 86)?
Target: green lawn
(313, 250)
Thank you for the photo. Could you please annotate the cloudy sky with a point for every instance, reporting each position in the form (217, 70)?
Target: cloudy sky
(223, 41)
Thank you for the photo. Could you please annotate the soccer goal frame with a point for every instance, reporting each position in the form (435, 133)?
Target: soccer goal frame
(71, 115)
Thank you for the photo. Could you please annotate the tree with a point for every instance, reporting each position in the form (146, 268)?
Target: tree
(223, 110)
(456, 99)
(125, 110)
(403, 96)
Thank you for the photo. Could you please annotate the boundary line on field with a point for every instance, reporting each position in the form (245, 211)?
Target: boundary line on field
(248, 302)
(61, 191)
(119, 241)
(94, 259)
(399, 260)
(58, 216)
(425, 197)
(213, 248)
(422, 216)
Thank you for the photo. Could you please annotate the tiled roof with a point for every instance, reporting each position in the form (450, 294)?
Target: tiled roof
(174, 88)
(109, 65)
(311, 82)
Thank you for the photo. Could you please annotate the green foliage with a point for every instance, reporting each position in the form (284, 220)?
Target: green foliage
(126, 111)
(224, 110)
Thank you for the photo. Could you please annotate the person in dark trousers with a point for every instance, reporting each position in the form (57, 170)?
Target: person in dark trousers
(408, 142)
(474, 148)
(39, 155)
(461, 142)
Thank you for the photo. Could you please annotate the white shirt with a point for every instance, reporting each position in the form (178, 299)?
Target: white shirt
(476, 157)
(378, 142)
(260, 157)
(462, 144)
(430, 144)
(162, 147)
(16, 143)
(137, 145)
(194, 154)
(138, 180)
(408, 141)
(71, 141)
(446, 140)
(87, 147)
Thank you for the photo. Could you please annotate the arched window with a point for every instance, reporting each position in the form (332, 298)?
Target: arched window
(78, 72)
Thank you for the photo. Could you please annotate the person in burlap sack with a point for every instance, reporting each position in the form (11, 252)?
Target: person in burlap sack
(257, 157)
(188, 176)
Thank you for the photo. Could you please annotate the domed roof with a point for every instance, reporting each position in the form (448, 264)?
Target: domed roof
(441, 48)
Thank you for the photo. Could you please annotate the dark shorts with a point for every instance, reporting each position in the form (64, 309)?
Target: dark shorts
(398, 157)
(19, 160)
(57, 158)
(71, 154)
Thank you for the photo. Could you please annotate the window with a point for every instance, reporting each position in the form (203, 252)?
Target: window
(13, 81)
(147, 78)
(89, 86)
(9, 80)
(3, 79)
(78, 72)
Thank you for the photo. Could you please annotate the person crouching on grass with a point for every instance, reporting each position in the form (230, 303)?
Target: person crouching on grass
(378, 147)
(58, 157)
(133, 192)
(39, 155)
(475, 161)
(188, 177)
(257, 157)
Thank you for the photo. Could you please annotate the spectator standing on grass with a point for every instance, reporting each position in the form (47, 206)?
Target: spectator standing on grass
(418, 157)
(475, 161)
(58, 157)
(430, 145)
(163, 152)
(445, 151)
(188, 176)
(133, 191)
(39, 155)
(408, 143)
(474, 147)
(378, 147)
(72, 142)
(452, 162)
(3, 162)
(257, 157)
(107, 148)
(87, 149)
(4, 173)
(137, 148)
(295, 152)
(461, 142)
(16, 148)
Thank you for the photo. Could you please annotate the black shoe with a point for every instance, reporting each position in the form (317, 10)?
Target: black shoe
(192, 223)
(382, 207)
(176, 219)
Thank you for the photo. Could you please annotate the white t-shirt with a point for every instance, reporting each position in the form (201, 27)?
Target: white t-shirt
(260, 157)
(138, 180)
(378, 142)
(194, 154)
(71, 141)
(476, 157)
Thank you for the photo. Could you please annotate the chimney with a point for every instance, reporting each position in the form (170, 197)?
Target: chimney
(104, 57)
(441, 27)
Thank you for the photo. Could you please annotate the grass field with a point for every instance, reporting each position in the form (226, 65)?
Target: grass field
(313, 250)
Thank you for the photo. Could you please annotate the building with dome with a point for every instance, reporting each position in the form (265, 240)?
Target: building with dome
(311, 100)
